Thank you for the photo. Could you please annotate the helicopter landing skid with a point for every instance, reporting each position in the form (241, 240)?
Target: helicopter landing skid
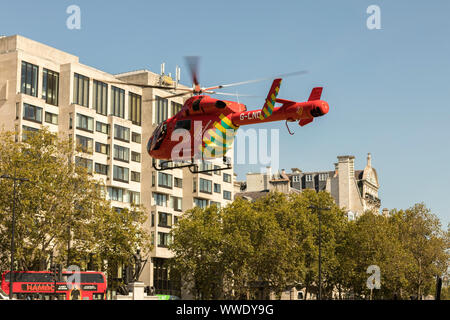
(193, 167)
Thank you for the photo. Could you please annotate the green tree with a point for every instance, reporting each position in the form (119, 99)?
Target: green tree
(61, 212)
(198, 249)
(371, 240)
(427, 245)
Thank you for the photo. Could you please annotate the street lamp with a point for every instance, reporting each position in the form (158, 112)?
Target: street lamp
(11, 272)
(319, 210)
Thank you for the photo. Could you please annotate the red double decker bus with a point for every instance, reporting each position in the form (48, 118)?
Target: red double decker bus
(40, 285)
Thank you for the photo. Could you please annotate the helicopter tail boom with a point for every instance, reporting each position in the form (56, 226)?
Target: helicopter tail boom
(304, 112)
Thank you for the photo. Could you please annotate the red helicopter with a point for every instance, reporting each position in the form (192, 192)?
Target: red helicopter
(205, 127)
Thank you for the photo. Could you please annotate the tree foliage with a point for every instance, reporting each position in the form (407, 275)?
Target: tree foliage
(61, 212)
(271, 245)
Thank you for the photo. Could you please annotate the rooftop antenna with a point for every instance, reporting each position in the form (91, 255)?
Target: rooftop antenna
(177, 75)
(163, 65)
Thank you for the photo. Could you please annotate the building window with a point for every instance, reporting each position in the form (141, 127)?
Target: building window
(178, 183)
(217, 171)
(176, 107)
(206, 166)
(215, 203)
(135, 156)
(118, 102)
(164, 220)
(201, 203)
(29, 81)
(102, 127)
(136, 137)
(32, 113)
(205, 186)
(135, 108)
(165, 279)
(85, 163)
(135, 176)
(84, 144)
(101, 169)
(226, 195)
(323, 176)
(50, 86)
(161, 109)
(81, 90)
(164, 239)
(309, 178)
(51, 118)
(121, 133)
(27, 131)
(135, 197)
(226, 177)
(217, 188)
(102, 148)
(176, 203)
(120, 174)
(115, 194)
(85, 123)
(160, 199)
(164, 180)
(100, 98)
(121, 153)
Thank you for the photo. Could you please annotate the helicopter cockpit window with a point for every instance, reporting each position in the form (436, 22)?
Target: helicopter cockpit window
(183, 124)
(158, 136)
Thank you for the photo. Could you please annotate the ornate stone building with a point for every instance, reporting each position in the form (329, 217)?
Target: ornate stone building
(356, 191)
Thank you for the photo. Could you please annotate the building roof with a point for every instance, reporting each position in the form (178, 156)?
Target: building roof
(255, 195)
(252, 196)
(331, 173)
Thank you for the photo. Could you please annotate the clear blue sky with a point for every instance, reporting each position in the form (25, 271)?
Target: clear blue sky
(388, 89)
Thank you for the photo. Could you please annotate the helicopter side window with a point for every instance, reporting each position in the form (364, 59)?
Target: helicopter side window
(183, 124)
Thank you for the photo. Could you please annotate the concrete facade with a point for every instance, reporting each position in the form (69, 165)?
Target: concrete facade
(24, 103)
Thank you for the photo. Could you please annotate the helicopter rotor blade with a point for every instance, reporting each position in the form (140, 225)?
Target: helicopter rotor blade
(171, 96)
(290, 74)
(192, 62)
(149, 86)
(232, 94)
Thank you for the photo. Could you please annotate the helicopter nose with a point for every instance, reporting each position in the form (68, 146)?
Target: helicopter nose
(324, 107)
(320, 109)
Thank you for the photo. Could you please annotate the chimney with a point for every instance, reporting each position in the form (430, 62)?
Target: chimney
(269, 172)
(385, 211)
(369, 160)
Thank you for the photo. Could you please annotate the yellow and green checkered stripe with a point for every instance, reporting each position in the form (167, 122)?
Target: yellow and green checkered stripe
(270, 100)
(220, 138)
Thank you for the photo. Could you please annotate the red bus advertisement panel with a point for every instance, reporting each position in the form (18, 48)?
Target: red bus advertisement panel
(32, 285)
